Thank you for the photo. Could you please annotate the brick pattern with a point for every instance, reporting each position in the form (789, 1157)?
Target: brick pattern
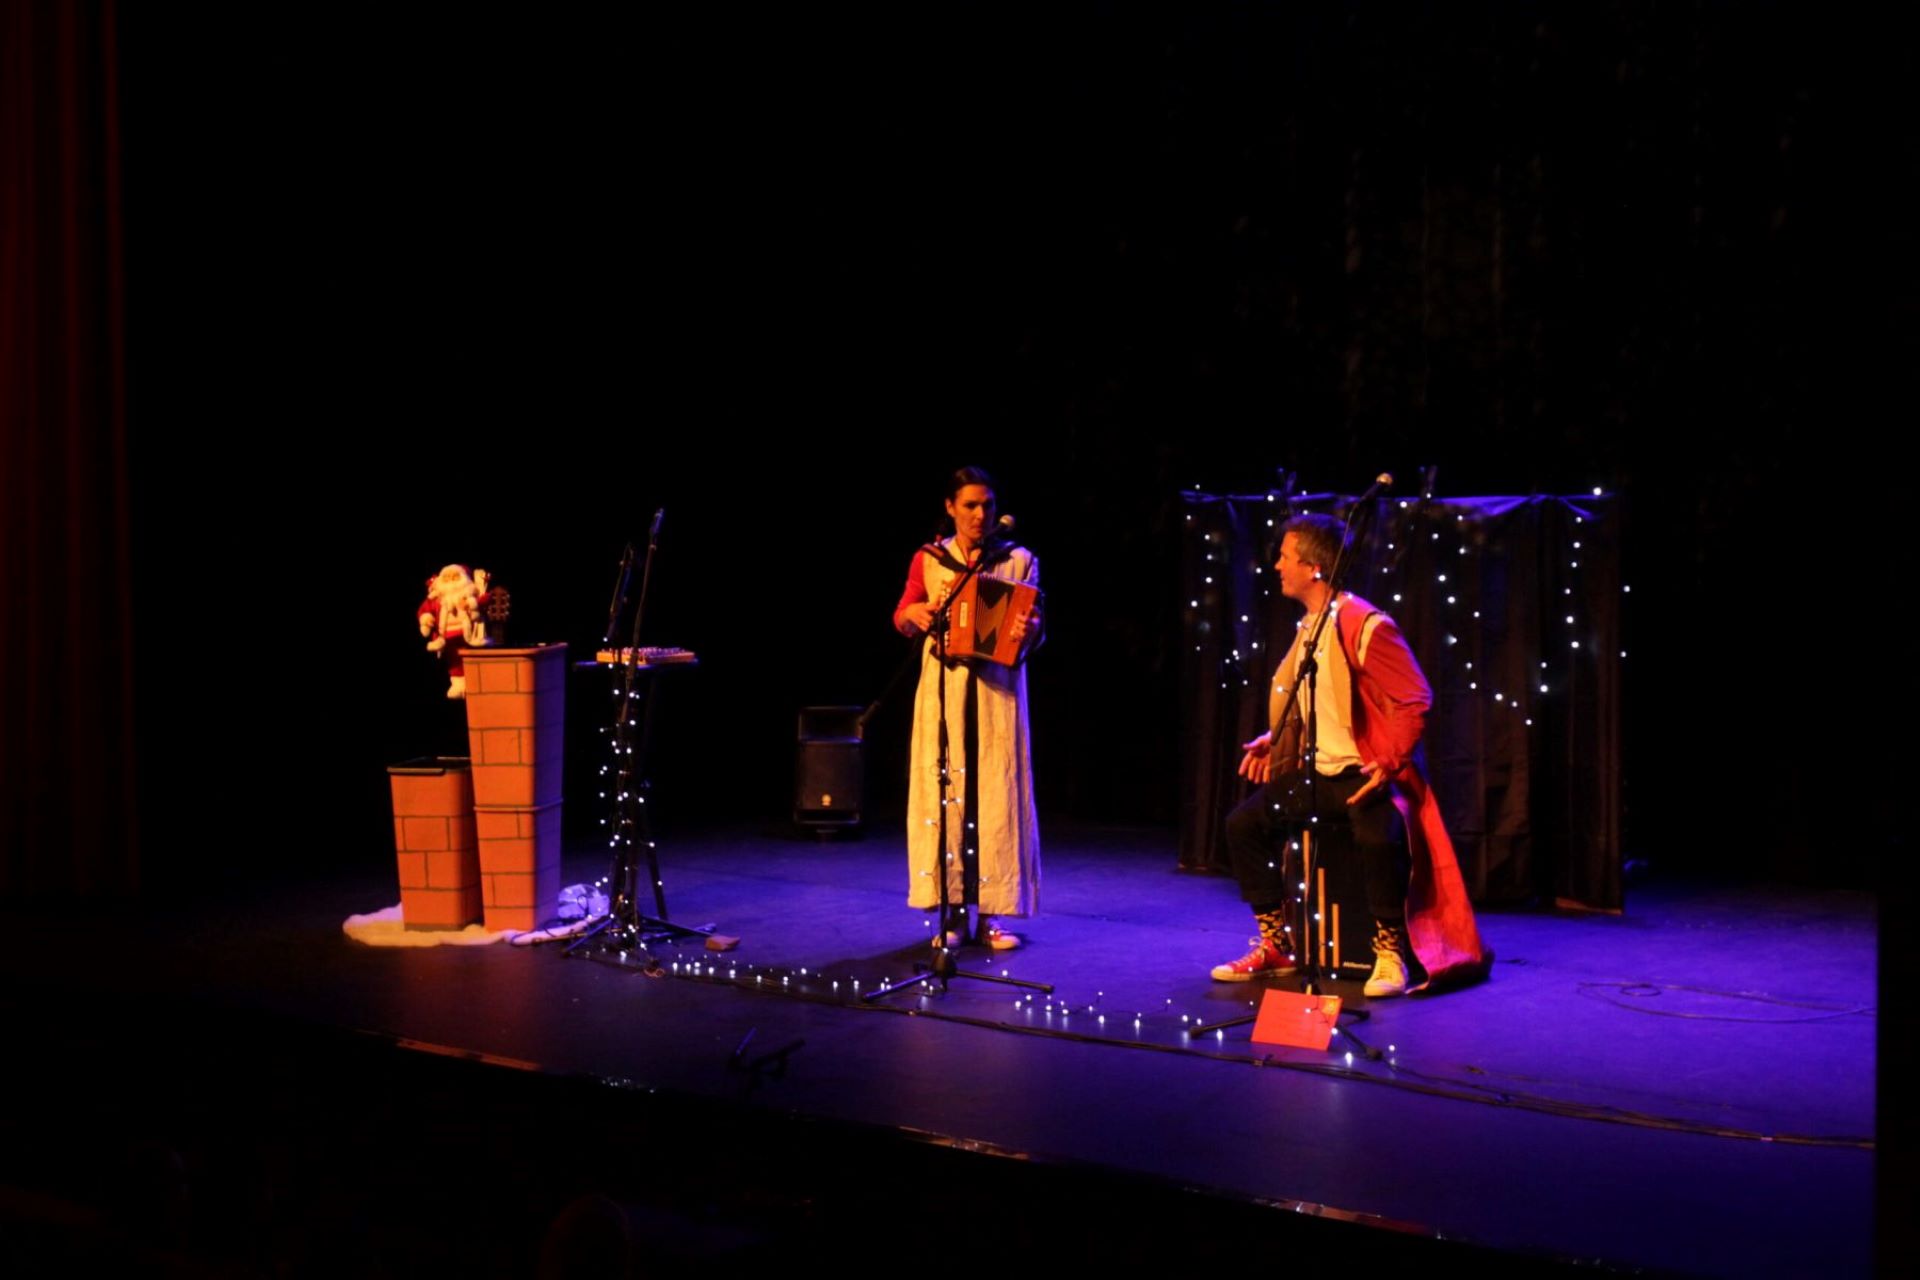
(516, 730)
(519, 864)
(436, 844)
(516, 724)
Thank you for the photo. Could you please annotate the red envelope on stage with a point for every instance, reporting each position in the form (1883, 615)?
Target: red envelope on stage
(1303, 1021)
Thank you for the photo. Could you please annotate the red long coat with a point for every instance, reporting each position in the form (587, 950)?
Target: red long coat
(1390, 702)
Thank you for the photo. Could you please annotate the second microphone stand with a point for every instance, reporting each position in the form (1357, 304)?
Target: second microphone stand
(624, 934)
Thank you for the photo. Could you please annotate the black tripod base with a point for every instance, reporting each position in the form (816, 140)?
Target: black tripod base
(628, 942)
(945, 968)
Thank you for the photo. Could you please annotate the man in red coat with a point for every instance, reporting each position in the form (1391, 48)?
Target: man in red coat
(1373, 701)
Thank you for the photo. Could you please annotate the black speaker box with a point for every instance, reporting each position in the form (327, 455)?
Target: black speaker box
(829, 770)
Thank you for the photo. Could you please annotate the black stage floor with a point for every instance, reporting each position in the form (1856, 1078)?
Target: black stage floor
(1686, 1088)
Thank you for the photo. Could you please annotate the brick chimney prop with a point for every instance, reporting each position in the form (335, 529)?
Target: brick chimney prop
(516, 732)
(436, 842)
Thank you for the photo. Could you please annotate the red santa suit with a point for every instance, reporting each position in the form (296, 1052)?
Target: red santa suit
(456, 617)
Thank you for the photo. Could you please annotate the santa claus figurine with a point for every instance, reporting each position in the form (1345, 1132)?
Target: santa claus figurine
(454, 617)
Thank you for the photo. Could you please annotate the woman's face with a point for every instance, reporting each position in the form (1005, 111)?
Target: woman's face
(973, 512)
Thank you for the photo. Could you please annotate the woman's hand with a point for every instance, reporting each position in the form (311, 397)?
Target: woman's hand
(916, 618)
(1026, 624)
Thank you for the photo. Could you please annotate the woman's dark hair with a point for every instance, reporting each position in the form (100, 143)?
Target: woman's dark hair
(955, 483)
(964, 477)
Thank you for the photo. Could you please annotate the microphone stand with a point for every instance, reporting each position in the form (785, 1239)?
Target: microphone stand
(620, 582)
(1312, 975)
(624, 930)
(946, 966)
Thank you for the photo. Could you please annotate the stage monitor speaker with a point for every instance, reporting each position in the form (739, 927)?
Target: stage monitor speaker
(830, 770)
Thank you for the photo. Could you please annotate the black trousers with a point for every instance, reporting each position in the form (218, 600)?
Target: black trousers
(1261, 827)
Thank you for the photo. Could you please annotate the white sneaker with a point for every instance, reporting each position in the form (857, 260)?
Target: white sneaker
(1389, 977)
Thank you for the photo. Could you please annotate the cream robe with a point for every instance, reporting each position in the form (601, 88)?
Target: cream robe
(1008, 835)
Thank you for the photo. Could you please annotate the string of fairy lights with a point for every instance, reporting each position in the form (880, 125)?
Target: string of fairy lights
(629, 831)
(1170, 1024)
(968, 834)
(1170, 1029)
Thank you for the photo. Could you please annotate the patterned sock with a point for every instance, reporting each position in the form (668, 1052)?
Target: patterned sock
(1274, 930)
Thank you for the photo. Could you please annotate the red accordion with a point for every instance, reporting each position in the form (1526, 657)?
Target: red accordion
(980, 623)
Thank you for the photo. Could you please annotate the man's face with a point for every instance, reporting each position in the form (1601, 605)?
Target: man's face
(1296, 576)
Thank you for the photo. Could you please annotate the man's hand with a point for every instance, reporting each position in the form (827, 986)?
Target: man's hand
(1376, 779)
(1025, 623)
(1257, 764)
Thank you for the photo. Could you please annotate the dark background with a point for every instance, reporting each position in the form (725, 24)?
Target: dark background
(405, 288)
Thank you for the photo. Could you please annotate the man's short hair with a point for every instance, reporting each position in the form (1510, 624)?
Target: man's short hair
(1320, 538)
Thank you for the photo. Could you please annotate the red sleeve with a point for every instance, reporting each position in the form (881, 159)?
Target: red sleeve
(1400, 695)
(915, 593)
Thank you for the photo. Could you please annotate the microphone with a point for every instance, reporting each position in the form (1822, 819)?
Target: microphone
(1381, 482)
(1002, 530)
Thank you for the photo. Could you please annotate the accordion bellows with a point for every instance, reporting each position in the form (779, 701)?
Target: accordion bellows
(981, 621)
